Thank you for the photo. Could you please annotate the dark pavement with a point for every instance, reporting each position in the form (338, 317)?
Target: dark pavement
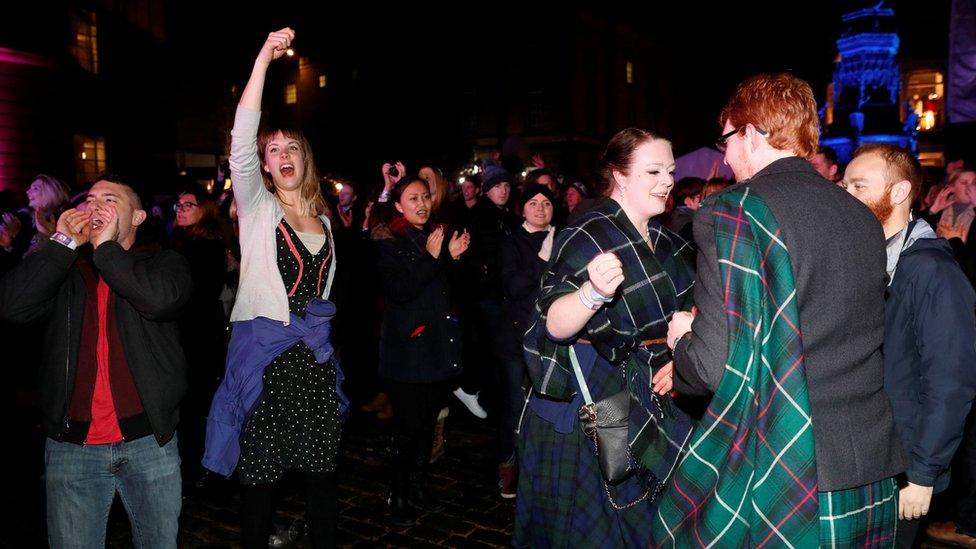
(464, 478)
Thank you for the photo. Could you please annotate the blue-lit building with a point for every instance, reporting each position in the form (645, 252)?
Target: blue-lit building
(877, 97)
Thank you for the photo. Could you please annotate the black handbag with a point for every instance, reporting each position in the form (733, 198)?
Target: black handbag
(607, 423)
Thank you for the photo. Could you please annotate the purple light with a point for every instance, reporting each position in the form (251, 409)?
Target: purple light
(12, 122)
(16, 57)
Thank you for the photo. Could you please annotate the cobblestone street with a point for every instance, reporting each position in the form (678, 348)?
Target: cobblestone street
(464, 478)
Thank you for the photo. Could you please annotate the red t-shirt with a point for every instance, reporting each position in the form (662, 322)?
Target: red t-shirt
(104, 427)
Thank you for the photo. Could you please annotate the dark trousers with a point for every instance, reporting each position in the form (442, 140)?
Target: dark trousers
(507, 370)
(513, 399)
(415, 407)
(321, 511)
(906, 534)
(476, 362)
(964, 479)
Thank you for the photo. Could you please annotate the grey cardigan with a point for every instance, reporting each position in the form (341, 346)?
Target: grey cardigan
(261, 291)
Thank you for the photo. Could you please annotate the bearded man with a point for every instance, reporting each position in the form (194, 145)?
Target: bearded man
(929, 329)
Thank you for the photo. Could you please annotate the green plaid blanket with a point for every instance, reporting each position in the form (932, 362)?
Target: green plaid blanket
(748, 477)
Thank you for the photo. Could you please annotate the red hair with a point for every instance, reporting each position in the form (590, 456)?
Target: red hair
(780, 104)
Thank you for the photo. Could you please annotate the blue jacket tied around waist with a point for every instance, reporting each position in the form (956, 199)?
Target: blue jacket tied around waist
(254, 344)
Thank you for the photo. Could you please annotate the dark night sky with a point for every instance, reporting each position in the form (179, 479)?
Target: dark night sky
(706, 50)
(402, 52)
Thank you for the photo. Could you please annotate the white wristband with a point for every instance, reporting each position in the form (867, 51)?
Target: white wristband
(587, 302)
(597, 296)
(64, 240)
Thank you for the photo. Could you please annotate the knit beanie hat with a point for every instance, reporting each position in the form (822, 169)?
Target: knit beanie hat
(492, 176)
(533, 190)
(580, 188)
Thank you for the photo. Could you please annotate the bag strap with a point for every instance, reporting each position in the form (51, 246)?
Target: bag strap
(588, 401)
(584, 389)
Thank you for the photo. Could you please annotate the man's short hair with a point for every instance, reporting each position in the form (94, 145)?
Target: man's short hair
(130, 190)
(900, 164)
(688, 187)
(829, 153)
(533, 177)
(780, 104)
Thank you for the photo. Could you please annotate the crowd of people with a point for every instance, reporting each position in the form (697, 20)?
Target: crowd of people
(786, 356)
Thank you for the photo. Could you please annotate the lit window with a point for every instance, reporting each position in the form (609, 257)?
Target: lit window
(291, 94)
(84, 44)
(923, 96)
(630, 72)
(323, 80)
(89, 157)
(829, 114)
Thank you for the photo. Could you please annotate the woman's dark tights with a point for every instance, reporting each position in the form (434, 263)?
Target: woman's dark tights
(321, 511)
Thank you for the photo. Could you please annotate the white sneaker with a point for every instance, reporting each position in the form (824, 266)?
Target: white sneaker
(471, 403)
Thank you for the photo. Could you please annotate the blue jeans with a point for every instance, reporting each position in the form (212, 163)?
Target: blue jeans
(81, 482)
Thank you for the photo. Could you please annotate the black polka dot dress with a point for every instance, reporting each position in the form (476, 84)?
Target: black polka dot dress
(296, 424)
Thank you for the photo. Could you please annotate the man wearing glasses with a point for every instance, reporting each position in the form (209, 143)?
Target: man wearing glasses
(798, 445)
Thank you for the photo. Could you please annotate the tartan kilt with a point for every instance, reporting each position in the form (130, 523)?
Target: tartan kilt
(561, 499)
(865, 516)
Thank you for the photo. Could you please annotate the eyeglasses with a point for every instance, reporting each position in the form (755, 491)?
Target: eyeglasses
(180, 206)
(721, 144)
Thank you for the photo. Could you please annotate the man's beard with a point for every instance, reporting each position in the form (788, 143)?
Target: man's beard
(883, 207)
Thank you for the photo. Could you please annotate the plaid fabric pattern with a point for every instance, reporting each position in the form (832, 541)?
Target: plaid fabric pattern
(655, 285)
(561, 500)
(749, 478)
(866, 516)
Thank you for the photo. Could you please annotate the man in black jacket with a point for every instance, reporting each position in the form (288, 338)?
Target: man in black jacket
(112, 370)
(491, 224)
(837, 253)
(930, 327)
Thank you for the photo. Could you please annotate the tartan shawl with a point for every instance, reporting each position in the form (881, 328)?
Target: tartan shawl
(655, 285)
(748, 477)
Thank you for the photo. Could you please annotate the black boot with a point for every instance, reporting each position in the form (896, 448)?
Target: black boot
(401, 513)
(418, 496)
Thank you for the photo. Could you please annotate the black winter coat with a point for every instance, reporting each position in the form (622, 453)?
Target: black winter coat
(420, 340)
(522, 270)
(489, 226)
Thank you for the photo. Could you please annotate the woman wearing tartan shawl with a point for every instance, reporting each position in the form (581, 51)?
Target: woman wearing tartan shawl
(614, 279)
